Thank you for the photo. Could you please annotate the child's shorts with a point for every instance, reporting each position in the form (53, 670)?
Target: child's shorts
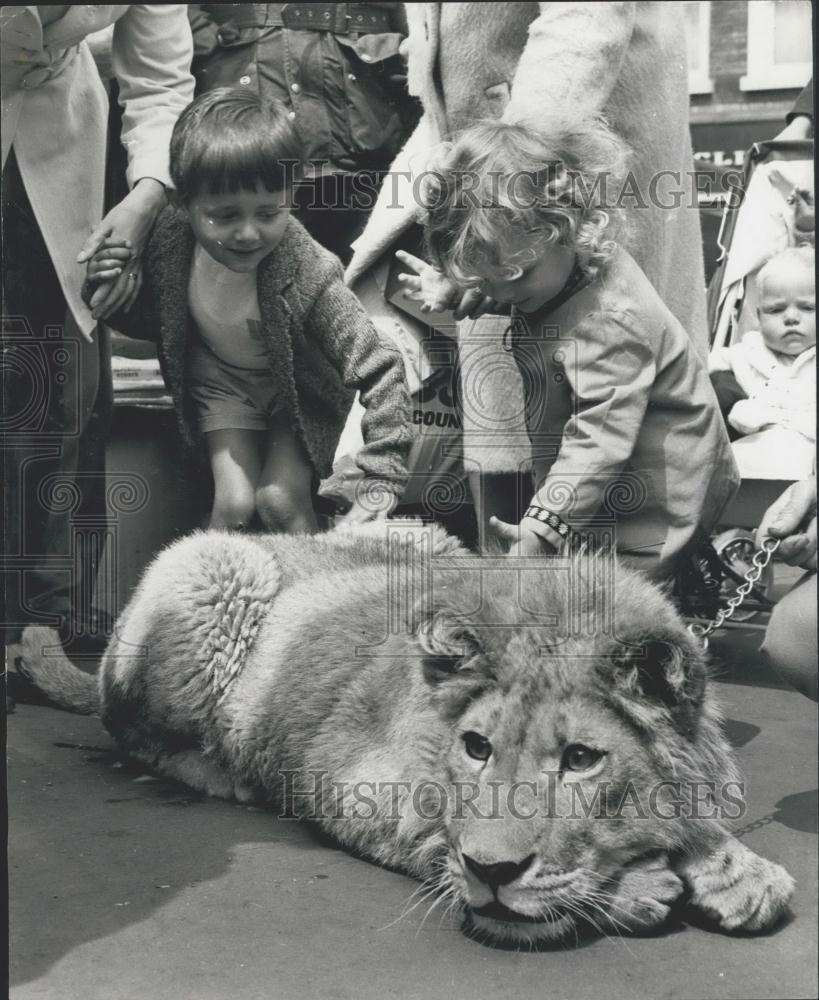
(230, 398)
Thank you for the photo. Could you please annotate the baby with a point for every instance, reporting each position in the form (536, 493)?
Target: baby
(766, 383)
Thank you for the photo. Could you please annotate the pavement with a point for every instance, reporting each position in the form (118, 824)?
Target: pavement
(125, 887)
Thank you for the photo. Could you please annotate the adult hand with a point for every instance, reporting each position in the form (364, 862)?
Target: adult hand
(437, 293)
(793, 519)
(800, 211)
(132, 220)
(524, 539)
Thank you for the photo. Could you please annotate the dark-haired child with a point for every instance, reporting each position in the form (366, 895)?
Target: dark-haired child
(261, 344)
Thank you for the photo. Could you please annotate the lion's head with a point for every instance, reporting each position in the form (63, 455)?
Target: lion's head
(581, 740)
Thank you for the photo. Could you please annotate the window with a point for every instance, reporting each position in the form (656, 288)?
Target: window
(779, 45)
(698, 42)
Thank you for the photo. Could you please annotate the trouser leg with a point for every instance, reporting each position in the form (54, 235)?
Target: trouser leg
(55, 420)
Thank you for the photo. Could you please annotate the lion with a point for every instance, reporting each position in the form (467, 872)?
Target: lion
(537, 739)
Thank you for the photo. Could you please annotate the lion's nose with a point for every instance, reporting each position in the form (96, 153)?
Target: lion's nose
(500, 873)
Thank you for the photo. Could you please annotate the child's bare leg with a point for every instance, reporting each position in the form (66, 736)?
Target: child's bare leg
(235, 458)
(283, 498)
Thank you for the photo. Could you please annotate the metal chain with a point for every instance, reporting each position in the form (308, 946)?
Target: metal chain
(760, 560)
(754, 825)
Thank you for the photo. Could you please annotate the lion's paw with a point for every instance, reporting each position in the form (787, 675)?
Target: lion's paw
(644, 895)
(738, 889)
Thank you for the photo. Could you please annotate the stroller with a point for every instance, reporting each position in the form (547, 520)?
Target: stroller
(754, 227)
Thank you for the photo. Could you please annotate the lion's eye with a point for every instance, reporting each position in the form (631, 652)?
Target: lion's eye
(478, 747)
(578, 757)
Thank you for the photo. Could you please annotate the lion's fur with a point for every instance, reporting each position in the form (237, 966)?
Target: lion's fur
(250, 666)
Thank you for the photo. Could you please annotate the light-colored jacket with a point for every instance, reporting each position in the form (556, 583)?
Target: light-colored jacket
(55, 113)
(624, 422)
(778, 395)
(538, 63)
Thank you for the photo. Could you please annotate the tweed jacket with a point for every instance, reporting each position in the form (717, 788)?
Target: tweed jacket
(55, 112)
(321, 345)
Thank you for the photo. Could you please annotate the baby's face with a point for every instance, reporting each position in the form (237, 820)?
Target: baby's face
(239, 230)
(787, 304)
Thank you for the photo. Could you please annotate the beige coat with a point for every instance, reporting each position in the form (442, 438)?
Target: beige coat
(537, 63)
(55, 113)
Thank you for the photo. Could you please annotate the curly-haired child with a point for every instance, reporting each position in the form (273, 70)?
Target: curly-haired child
(627, 439)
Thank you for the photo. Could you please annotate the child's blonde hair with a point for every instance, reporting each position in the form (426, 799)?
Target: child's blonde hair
(501, 191)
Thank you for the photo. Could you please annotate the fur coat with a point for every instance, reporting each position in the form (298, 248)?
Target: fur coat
(321, 345)
(539, 62)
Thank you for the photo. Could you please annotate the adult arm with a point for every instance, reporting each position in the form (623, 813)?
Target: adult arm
(800, 118)
(571, 61)
(803, 105)
(151, 56)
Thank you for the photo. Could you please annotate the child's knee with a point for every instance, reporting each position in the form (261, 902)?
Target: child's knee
(282, 509)
(233, 511)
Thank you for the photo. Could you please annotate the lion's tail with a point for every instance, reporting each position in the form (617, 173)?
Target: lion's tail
(45, 664)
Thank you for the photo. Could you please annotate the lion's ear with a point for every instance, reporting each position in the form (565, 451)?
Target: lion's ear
(450, 648)
(454, 665)
(661, 672)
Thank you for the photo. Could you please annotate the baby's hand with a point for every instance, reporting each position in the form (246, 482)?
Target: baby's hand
(750, 415)
(437, 293)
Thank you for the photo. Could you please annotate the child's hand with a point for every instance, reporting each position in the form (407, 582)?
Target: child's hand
(437, 293)
(526, 541)
(107, 262)
(104, 270)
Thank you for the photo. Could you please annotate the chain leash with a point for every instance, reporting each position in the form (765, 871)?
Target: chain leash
(759, 562)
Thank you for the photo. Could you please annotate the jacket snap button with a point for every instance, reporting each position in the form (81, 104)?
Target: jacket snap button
(295, 88)
(351, 76)
(244, 80)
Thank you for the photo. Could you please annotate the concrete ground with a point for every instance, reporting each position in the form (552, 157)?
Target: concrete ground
(124, 887)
